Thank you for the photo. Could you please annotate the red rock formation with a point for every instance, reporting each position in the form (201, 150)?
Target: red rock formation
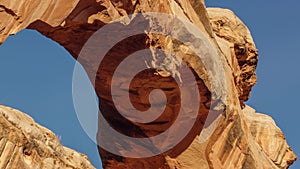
(235, 141)
(25, 144)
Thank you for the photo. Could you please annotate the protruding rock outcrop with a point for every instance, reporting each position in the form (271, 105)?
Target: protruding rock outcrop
(27, 145)
(240, 137)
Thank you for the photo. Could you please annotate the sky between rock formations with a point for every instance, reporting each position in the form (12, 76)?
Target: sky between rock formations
(36, 74)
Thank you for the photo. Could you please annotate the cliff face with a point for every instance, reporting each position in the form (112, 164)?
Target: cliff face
(237, 137)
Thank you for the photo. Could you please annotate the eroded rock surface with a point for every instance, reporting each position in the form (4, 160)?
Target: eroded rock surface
(27, 145)
(240, 137)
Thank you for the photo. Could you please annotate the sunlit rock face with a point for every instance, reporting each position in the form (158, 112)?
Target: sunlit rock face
(237, 138)
(26, 144)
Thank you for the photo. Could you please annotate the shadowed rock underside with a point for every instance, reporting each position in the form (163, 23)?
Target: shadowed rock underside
(242, 138)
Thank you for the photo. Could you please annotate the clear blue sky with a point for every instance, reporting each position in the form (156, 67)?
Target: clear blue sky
(36, 74)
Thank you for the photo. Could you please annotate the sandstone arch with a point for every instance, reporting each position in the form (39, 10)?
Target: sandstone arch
(235, 143)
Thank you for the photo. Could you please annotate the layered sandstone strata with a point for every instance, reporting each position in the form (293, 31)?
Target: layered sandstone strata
(240, 137)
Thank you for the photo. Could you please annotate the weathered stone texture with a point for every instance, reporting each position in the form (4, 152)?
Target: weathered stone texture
(27, 145)
(242, 138)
